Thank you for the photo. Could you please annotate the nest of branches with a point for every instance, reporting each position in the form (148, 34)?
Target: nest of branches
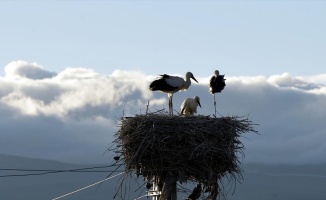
(198, 148)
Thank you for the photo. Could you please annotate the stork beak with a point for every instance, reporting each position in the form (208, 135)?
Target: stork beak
(198, 103)
(194, 78)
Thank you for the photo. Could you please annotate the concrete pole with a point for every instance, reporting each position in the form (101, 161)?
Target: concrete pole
(169, 190)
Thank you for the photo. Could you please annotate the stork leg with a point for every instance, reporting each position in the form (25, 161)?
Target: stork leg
(214, 104)
(170, 105)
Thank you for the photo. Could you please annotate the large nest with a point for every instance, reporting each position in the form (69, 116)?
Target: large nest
(199, 148)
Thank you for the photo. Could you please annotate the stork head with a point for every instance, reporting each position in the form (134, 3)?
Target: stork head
(216, 73)
(190, 75)
(197, 100)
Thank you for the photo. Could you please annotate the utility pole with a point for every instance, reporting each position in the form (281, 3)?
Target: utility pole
(168, 192)
(154, 193)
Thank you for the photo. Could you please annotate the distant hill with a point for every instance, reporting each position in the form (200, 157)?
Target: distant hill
(261, 182)
(282, 182)
(51, 185)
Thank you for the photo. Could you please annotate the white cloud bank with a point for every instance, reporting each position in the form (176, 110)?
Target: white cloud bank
(72, 115)
(17, 69)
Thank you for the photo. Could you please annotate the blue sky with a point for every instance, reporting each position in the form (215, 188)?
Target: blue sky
(241, 38)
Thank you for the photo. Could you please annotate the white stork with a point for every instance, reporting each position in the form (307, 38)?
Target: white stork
(189, 106)
(216, 84)
(171, 84)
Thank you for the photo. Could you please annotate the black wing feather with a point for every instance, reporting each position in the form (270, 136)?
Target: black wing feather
(217, 84)
(161, 84)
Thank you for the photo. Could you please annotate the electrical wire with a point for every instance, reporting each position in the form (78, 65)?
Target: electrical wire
(108, 178)
(142, 197)
(45, 171)
(77, 169)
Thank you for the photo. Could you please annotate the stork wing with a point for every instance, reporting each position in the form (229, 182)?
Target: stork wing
(174, 81)
(211, 81)
(217, 84)
(183, 107)
(165, 76)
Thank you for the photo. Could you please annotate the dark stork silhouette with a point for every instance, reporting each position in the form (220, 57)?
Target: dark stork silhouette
(216, 85)
(171, 84)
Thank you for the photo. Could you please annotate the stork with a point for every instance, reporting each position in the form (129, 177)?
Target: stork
(189, 106)
(216, 84)
(171, 84)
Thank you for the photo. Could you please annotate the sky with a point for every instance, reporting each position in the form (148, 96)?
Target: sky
(239, 37)
(71, 69)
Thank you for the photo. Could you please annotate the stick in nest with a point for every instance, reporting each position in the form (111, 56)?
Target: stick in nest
(198, 148)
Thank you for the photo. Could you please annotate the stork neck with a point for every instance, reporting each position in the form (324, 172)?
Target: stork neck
(187, 82)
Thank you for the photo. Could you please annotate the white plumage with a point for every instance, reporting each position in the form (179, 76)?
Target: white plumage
(189, 106)
(172, 84)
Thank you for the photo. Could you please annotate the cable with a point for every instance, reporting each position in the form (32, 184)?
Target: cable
(43, 171)
(87, 186)
(77, 169)
(50, 172)
(141, 197)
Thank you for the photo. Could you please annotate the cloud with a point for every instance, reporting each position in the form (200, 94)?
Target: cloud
(285, 80)
(290, 117)
(72, 115)
(17, 69)
(46, 118)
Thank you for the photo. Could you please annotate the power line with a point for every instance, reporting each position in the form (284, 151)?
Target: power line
(45, 171)
(141, 197)
(87, 186)
(77, 169)
(50, 172)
